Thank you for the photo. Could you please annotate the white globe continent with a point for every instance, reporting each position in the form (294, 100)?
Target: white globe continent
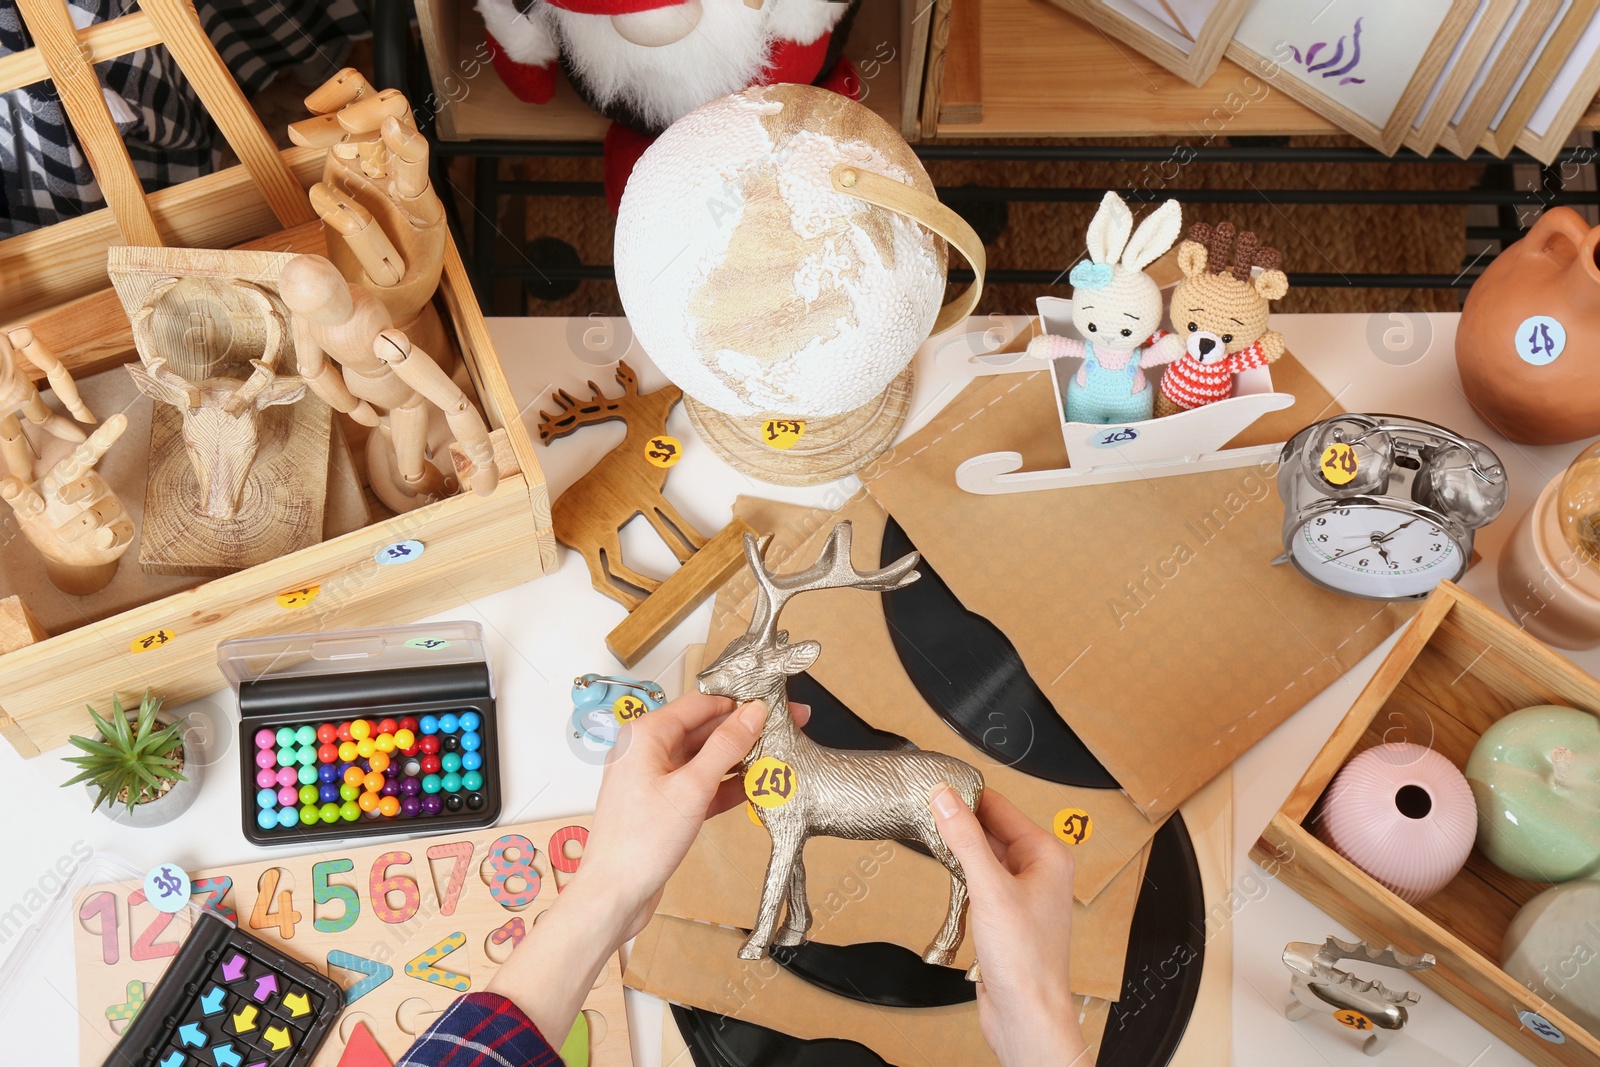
(754, 286)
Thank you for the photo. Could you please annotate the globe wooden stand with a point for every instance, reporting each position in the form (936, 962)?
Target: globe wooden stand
(829, 448)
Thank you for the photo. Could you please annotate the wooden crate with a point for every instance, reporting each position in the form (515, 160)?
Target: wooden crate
(1459, 667)
(471, 103)
(54, 280)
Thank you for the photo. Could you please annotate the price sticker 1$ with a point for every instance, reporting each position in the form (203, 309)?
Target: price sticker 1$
(770, 782)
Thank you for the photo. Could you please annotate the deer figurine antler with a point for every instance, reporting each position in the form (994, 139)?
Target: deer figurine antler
(863, 796)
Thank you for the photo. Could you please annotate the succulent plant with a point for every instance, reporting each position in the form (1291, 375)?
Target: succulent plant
(130, 762)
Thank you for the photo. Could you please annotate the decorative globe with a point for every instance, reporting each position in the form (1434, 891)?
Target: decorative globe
(752, 284)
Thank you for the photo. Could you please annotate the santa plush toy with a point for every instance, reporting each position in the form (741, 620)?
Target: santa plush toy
(644, 64)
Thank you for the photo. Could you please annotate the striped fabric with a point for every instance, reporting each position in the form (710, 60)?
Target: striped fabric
(481, 1030)
(1192, 384)
(44, 177)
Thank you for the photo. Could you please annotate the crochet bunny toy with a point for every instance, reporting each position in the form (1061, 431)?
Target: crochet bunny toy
(1220, 313)
(1117, 308)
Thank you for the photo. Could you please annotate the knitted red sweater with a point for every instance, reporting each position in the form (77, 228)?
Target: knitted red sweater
(1191, 384)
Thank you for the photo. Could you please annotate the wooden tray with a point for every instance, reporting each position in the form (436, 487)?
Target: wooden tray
(1457, 669)
(54, 280)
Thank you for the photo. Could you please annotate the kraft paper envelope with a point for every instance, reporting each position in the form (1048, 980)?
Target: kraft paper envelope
(1146, 610)
(860, 666)
(696, 964)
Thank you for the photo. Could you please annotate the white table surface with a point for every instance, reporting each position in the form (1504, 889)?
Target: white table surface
(544, 633)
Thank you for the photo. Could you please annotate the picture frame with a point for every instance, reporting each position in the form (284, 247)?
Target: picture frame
(1187, 37)
(1486, 26)
(1366, 67)
(1514, 52)
(1556, 93)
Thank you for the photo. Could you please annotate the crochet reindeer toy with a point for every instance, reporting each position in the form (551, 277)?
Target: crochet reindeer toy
(1219, 311)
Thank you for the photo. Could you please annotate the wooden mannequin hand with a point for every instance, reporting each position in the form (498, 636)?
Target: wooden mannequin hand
(1020, 880)
(70, 514)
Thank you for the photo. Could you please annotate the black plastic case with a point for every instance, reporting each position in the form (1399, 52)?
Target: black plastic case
(429, 668)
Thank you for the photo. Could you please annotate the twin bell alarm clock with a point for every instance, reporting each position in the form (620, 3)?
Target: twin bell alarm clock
(1384, 507)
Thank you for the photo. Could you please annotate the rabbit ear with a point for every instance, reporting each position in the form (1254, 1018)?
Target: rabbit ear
(1154, 236)
(1109, 229)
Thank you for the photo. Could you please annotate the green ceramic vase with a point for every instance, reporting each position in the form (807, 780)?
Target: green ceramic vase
(1536, 777)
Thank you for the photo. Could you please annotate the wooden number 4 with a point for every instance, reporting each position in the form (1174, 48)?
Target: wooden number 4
(262, 916)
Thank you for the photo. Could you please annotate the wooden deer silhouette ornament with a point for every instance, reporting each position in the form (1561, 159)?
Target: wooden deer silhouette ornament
(627, 482)
(863, 796)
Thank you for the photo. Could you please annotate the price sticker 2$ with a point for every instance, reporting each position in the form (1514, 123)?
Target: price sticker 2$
(1339, 464)
(770, 782)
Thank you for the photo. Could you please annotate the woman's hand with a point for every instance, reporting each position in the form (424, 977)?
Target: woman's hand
(1020, 880)
(663, 780)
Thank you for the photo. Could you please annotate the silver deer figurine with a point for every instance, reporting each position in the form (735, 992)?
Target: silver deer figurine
(1366, 1007)
(863, 796)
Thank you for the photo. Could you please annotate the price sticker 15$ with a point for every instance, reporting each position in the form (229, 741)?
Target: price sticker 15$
(782, 434)
(770, 782)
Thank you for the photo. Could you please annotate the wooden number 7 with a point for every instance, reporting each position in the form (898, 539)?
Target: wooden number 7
(462, 853)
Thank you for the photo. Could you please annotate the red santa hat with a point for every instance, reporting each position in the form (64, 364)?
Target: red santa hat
(612, 7)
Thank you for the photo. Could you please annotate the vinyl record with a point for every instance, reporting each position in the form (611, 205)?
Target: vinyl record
(969, 673)
(967, 670)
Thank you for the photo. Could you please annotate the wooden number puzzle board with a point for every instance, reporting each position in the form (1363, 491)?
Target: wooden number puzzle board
(365, 916)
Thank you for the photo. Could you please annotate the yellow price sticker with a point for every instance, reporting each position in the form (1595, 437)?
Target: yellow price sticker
(1073, 825)
(1339, 464)
(770, 782)
(154, 639)
(750, 810)
(627, 708)
(1353, 1019)
(663, 451)
(295, 599)
(782, 434)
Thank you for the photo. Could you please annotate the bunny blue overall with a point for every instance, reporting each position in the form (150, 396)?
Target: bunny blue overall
(1108, 396)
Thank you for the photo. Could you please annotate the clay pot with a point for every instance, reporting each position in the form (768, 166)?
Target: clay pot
(1526, 346)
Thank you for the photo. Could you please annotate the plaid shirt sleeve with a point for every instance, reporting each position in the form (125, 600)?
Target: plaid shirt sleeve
(481, 1030)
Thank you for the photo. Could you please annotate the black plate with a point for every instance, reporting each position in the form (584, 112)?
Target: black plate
(969, 673)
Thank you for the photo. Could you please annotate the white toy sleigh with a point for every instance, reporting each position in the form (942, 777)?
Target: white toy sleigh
(1185, 443)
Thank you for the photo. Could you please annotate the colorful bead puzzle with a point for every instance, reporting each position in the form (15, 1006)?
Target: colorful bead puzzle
(331, 774)
(363, 733)
(229, 1000)
(399, 929)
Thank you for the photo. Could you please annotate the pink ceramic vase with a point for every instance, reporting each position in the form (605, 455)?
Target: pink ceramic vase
(1405, 815)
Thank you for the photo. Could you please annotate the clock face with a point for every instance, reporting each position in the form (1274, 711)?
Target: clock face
(1375, 552)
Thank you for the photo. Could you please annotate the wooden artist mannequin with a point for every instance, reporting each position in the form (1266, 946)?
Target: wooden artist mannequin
(384, 381)
(65, 509)
(385, 225)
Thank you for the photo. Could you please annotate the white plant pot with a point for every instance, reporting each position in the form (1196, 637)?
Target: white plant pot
(171, 804)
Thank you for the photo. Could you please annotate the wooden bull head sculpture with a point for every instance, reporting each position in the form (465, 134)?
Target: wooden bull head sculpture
(863, 796)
